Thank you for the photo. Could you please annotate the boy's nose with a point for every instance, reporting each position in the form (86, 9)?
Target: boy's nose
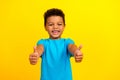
(55, 26)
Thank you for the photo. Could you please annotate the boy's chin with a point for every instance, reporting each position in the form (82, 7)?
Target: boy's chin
(55, 37)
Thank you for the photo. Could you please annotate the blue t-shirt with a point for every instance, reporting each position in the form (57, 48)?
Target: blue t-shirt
(55, 63)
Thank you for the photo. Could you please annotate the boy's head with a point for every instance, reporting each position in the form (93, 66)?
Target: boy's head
(53, 12)
(54, 22)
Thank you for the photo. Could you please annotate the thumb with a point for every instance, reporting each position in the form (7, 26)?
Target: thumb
(80, 47)
(35, 49)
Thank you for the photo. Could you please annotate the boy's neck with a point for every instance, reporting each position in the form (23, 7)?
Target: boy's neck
(54, 38)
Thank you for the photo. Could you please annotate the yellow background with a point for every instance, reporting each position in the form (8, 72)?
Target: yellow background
(93, 23)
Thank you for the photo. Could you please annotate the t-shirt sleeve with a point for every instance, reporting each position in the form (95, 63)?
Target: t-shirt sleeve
(69, 41)
(40, 42)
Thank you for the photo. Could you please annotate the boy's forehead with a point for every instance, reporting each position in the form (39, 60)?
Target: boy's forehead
(55, 18)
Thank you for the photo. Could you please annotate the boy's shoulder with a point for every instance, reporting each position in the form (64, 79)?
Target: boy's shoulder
(45, 39)
(66, 40)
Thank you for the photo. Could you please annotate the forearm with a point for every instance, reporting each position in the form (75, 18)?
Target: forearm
(40, 49)
(72, 48)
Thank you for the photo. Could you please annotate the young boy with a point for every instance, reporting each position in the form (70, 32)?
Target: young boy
(55, 51)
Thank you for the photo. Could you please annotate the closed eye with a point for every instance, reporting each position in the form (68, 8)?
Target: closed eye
(59, 24)
(50, 24)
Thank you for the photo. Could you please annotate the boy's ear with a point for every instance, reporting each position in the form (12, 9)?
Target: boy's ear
(64, 25)
(45, 28)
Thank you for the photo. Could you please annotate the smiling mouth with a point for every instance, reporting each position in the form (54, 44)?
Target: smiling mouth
(55, 32)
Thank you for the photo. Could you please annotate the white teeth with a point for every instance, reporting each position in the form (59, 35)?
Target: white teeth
(55, 31)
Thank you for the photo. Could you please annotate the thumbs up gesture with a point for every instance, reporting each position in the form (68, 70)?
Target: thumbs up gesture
(33, 58)
(78, 54)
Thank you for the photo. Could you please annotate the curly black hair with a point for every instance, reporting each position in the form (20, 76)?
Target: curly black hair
(53, 12)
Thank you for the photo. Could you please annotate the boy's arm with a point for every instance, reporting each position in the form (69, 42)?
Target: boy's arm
(40, 49)
(76, 52)
(72, 48)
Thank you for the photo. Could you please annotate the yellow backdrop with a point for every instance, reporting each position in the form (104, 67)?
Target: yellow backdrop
(93, 23)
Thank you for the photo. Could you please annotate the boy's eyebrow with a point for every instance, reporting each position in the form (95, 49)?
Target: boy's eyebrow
(49, 22)
(57, 22)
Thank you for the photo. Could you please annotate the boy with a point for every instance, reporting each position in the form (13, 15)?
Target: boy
(55, 51)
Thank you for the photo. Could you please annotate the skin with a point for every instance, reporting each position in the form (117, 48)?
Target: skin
(55, 27)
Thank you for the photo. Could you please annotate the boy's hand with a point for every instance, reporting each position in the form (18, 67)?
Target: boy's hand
(34, 56)
(78, 55)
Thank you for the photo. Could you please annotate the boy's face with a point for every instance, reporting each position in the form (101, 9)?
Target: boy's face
(54, 26)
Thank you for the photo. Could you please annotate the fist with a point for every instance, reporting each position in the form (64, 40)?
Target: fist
(78, 56)
(33, 58)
